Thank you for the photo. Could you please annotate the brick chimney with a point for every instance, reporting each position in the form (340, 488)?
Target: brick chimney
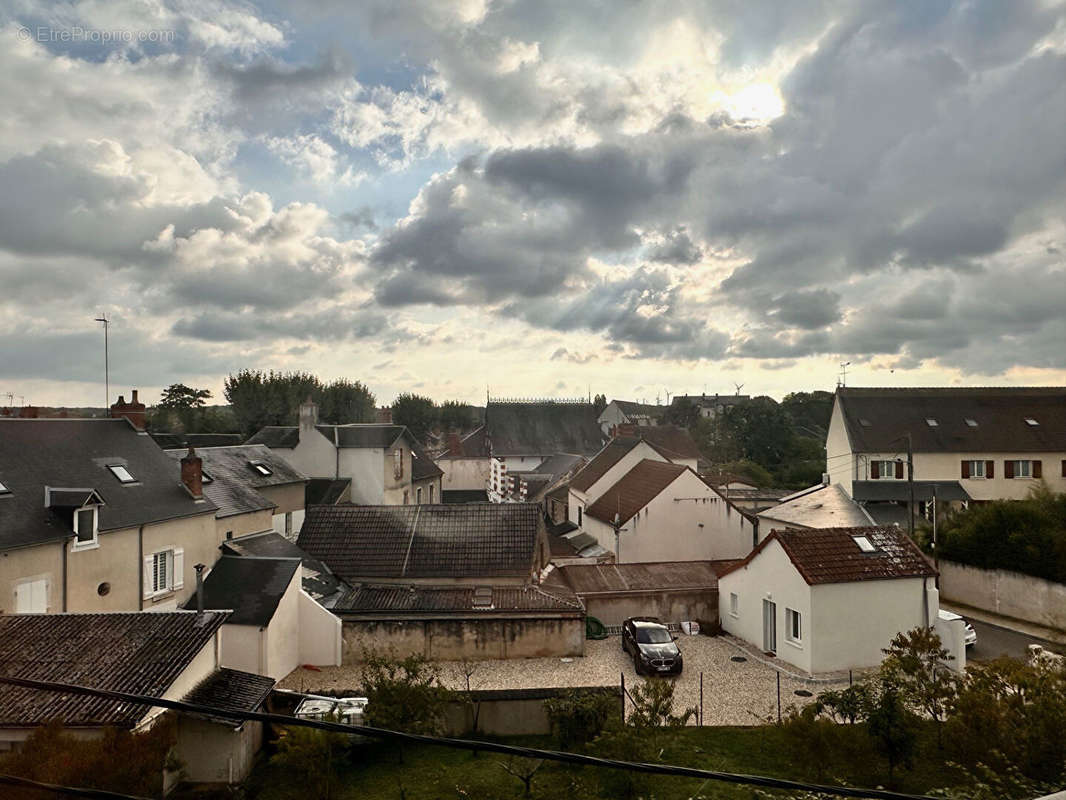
(133, 411)
(192, 474)
(308, 416)
(455, 445)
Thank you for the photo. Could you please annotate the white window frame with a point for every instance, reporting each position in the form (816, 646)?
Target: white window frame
(261, 469)
(1019, 472)
(793, 616)
(173, 569)
(25, 586)
(886, 474)
(418, 496)
(88, 544)
(734, 605)
(121, 473)
(977, 468)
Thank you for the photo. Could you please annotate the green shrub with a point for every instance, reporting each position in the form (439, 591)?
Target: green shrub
(577, 717)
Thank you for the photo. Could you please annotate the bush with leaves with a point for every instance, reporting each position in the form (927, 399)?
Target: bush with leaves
(812, 738)
(404, 694)
(313, 758)
(117, 761)
(848, 705)
(916, 662)
(578, 716)
(892, 725)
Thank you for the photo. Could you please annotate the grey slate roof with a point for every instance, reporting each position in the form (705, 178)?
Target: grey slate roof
(233, 480)
(317, 579)
(75, 453)
(898, 490)
(817, 507)
(424, 541)
(541, 429)
(325, 491)
(999, 412)
(422, 466)
(456, 496)
(249, 586)
(661, 575)
(633, 410)
(395, 600)
(276, 436)
(172, 441)
(231, 690)
(140, 653)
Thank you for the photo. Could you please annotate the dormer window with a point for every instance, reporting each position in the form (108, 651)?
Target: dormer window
(261, 468)
(932, 423)
(86, 528)
(1031, 422)
(120, 472)
(864, 544)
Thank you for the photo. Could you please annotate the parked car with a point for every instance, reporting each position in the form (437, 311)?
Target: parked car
(971, 634)
(653, 648)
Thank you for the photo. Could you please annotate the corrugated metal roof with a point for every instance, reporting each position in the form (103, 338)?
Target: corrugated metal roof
(369, 599)
(140, 653)
(231, 690)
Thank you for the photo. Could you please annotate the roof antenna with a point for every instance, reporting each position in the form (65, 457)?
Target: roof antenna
(842, 381)
(739, 387)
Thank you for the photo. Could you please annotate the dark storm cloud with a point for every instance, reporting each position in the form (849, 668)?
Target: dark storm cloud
(268, 78)
(676, 248)
(323, 325)
(813, 308)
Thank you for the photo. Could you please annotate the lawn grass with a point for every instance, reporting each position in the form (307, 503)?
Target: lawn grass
(436, 773)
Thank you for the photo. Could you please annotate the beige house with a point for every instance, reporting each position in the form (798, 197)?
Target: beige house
(971, 444)
(174, 655)
(384, 462)
(254, 488)
(95, 517)
(830, 599)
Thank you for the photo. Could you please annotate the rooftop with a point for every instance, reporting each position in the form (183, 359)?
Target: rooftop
(977, 419)
(249, 586)
(540, 428)
(231, 690)
(634, 490)
(139, 653)
(820, 506)
(846, 555)
(477, 600)
(613, 452)
(77, 454)
(317, 579)
(597, 578)
(424, 541)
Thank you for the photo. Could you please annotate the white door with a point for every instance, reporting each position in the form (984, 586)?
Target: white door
(769, 626)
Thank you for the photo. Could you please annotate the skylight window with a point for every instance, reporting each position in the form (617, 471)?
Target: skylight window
(261, 468)
(120, 472)
(864, 422)
(1031, 421)
(4, 489)
(205, 477)
(864, 544)
(971, 422)
(932, 423)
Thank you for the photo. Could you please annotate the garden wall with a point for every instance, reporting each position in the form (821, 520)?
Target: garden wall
(1010, 594)
(508, 712)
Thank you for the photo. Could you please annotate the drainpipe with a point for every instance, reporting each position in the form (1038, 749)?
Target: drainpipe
(140, 568)
(63, 550)
(199, 592)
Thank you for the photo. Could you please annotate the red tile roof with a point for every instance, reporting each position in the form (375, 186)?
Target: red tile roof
(636, 489)
(831, 555)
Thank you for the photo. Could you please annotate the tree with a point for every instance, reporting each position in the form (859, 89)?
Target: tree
(811, 737)
(404, 694)
(653, 707)
(273, 398)
(578, 716)
(599, 402)
(418, 413)
(915, 662)
(344, 401)
(179, 397)
(314, 757)
(524, 769)
(682, 412)
(456, 416)
(892, 726)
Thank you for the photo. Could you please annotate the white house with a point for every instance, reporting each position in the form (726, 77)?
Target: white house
(274, 626)
(617, 457)
(829, 599)
(969, 444)
(665, 512)
(385, 463)
(627, 412)
(169, 654)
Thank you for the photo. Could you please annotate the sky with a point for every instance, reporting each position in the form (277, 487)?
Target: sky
(628, 197)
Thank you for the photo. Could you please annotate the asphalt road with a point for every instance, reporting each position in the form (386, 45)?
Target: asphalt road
(994, 641)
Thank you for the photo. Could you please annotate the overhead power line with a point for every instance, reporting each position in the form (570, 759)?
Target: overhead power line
(72, 791)
(465, 744)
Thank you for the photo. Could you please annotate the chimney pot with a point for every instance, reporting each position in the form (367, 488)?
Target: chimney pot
(192, 474)
(133, 397)
(134, 411)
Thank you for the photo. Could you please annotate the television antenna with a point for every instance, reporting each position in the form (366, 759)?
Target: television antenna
(107, 367)
(843, 381)
(739, 387)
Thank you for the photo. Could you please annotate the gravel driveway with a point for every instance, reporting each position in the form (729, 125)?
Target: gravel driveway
(735, 693)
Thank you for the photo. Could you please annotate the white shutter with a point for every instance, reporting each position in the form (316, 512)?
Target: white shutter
(39, 596)
(179, 568)
(147, 576)
(22, 598)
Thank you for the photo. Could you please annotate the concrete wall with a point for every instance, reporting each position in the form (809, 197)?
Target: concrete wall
(289, 497)
(464, 473)
(244, 648)
(769, 576)
(430, 488)
(668, 605)
(394, 487)
(517, 712)
(314, 456)
(364, 467)
(215, 753)
(687, 521)
(454, 639)
(320, 634)
(242, 524)
(1010, 594)
(283, 633)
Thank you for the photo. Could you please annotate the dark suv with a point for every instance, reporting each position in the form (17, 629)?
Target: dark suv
(653, 649)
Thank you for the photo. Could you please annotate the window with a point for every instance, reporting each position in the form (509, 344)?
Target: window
(793, 626)
(120, 472)
(431, 493)
(864, 544)
(261, 468)
(418, 495)
(734, 604)
(397, 465)
(164, 571)
(4, 489)
(971, 422)
(85, 528)
(881, 470)
(1030, 421)
(1021, 469)
(932, 423)
(977, 469)
(31, 596)
(406, 497)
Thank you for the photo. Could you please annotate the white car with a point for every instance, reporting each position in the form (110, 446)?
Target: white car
(971, 634)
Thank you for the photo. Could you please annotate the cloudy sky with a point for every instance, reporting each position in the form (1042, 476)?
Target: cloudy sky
(631, 196)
